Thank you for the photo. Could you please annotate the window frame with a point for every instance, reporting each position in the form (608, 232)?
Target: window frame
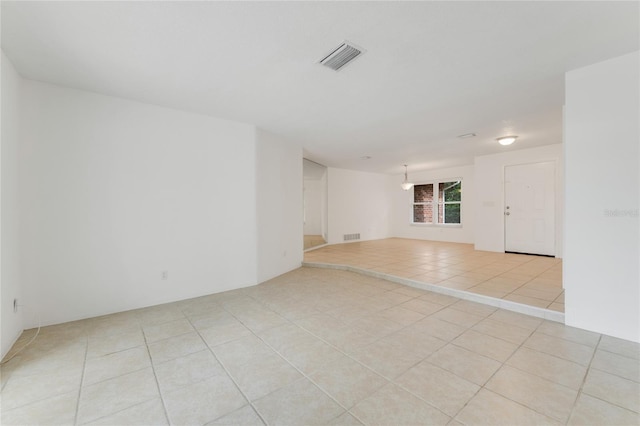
(435, 204)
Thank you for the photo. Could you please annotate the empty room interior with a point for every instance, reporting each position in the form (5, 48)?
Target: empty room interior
(332, 213)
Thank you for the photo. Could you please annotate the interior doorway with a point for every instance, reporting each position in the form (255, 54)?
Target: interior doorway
(530, 208)
(315, 204)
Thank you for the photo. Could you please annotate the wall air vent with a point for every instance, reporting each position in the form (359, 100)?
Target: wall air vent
(351, 237)
(341, 56)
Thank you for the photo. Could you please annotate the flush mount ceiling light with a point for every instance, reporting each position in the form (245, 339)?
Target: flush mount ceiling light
(406, 185)
(341, 56)
(507, 140)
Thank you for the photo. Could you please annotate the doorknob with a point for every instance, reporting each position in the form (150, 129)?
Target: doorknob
(507, 213)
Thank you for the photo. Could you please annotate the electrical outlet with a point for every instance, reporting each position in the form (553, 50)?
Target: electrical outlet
(165, 275)
(15, 305)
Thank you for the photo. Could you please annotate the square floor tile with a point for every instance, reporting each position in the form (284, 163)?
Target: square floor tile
(504, 331)
(349, 339)
(113, 395)
(486, 345)
(550, 367)
(244, 416)
(203, 402)
(438, 328)
(223, 333)
(23, 390)
(104, 345)
(616, 390)
(413, 341)
(115, 364)
(242, 351)
(153, 333)
(263, 375)
(596, 412)
(345, 419)
(440, 388)
(541, 395)
(466, 364)
(561, 348)
(309, 357)
(620, 347)
(387, 360)
(392, 405)
(628, 368)
(146, 413)
(186, 370)
(60, 410)
(175, 347)
(297, 404)
(571, 334)
(347, 381)
(489, 408)
(286, 335)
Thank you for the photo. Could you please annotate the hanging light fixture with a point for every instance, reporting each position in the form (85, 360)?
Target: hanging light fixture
(406, 185)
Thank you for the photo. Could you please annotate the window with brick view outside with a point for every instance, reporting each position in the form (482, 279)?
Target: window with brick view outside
(448, 205)
(423, 212)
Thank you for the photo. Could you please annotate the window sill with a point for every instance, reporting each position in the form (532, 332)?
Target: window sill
(436, 225)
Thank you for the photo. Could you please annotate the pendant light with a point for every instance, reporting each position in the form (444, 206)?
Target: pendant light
(406, 185)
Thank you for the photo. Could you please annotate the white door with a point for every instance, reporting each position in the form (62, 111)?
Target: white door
(530, 208)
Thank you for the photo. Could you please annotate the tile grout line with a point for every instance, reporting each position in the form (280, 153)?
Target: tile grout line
(584, 379)
(496, 372)
(84, 369)
(224, 367)
(155, 377)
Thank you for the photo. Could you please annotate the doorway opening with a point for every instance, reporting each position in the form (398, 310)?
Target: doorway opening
(315, 204)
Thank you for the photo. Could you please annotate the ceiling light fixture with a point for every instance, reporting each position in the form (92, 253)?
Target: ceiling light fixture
(467, 135)
(406, 185)
(507, 140)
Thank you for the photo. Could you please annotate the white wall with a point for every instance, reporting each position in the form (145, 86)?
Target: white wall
(279, 205)
(359, 202)
(313, 206)
(10, 287)
(119, 191)
(601, 276)
(489, 202)
(402, 203)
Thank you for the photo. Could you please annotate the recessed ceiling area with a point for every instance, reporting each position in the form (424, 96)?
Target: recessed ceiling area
(432, 71)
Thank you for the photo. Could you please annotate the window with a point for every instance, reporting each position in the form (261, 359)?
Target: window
(449, 199)
(445, 198)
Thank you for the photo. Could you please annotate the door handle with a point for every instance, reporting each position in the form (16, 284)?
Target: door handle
(507, 213)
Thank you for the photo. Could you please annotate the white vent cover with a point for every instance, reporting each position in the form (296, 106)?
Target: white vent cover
(341, 56)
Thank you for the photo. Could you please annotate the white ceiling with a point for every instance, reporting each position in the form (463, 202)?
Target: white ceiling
(431, 71)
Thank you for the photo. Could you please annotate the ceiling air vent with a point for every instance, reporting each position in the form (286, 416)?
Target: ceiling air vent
(341, 56)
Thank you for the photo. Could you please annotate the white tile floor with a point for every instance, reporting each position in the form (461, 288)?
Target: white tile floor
(526, 279)
(318, 346)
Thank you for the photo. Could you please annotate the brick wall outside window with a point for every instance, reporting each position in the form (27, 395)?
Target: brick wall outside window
(445, 210)
(423, 213)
